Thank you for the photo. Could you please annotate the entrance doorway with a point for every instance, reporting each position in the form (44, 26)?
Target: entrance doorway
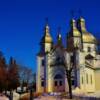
(59, 85)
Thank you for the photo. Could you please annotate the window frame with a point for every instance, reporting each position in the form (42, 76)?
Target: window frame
(42, 62)
(89, 49)
(42, 83)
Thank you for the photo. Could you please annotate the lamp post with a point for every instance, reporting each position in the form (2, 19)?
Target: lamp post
(31, 93)
(31, 96)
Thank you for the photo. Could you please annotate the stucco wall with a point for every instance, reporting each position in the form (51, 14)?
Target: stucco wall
(97, 79)
(88, 84)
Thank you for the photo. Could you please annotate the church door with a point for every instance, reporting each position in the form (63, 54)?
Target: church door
(59, 85)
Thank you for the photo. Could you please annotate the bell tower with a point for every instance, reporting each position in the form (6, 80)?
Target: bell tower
(46, 41)
(74, 36)
(89, 42)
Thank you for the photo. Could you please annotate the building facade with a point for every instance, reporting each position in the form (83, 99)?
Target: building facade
(80, 54)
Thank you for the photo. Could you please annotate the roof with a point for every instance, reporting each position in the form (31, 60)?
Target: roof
(88, 37)
(89, 57)
(87, 64)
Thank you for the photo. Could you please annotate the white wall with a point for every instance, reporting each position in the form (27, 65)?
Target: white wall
(39, 73)
(92, 46)
(87, 85)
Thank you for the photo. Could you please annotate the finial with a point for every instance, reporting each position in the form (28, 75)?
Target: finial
(46, 27)
(81, 22)
(59, 37)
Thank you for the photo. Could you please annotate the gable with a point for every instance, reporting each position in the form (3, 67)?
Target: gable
(89, 56)
(57, 56)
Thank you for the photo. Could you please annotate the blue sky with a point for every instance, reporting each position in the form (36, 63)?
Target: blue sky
(22, 23)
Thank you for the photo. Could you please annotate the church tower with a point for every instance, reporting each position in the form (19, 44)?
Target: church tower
(88, 40)
(45, 46)
(74, 45)
(74, 36)
(46, 41)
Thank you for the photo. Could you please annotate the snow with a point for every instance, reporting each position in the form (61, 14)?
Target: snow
(3, 97)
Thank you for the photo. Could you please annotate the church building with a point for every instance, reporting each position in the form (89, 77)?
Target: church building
(80, 53)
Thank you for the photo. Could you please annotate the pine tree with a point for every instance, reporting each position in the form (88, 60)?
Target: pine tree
(2, 72)
(13, 75)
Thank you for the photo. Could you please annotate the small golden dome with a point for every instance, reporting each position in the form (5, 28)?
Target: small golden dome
(74, 31)
(88, 38)
(48, 39)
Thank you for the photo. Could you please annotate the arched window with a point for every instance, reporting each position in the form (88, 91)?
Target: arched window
(58, 80)
(60, 83)
(89, 49)
(42, 83)
(56, 83)
(43, 62)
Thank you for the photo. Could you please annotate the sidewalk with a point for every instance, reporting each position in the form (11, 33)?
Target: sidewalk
(50, 98)
(3, 97)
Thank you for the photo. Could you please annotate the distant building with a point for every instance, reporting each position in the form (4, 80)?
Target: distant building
(81, 49)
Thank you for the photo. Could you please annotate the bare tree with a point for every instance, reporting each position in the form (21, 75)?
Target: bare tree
(26, 75)
(68, 69)
(67, 61)
(2, 72)
(13, 74)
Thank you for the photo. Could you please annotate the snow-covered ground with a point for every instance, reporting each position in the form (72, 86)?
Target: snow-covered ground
(77, 92)
(16, 96)
(96, 94)
(50, 98)
(3, 97)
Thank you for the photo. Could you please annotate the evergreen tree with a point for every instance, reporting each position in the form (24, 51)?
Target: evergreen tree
(13, 75)
(2, 72)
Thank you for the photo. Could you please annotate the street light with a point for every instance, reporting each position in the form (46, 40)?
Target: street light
(31, 92)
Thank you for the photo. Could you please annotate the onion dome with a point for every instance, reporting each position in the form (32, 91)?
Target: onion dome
(46, 38)
(86, 36)
(59, 37)
(74, 31)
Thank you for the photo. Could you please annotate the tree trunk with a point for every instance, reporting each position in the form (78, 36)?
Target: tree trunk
(69, 83)
(31, 95)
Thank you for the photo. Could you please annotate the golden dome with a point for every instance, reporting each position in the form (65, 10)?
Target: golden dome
(88, 38)
(74, 31)
(48, 39)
